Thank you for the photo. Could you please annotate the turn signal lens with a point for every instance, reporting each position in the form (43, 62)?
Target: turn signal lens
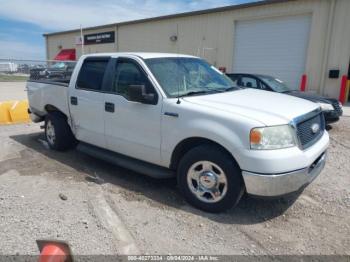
(255, 137)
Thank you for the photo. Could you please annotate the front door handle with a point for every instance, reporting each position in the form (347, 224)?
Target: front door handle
(109, 107)
(74, 100)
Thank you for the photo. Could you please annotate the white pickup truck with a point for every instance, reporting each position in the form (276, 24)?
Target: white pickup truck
(175, 115)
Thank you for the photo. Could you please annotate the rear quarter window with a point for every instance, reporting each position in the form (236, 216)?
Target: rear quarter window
(91, 74)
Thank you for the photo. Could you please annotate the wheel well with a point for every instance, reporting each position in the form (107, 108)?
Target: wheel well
(186, 145)
(51, 109)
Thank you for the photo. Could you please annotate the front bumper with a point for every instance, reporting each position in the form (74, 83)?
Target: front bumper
(332, 116)
(273, 185)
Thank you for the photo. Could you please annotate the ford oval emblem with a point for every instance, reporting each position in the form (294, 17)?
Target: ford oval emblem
(315, 128)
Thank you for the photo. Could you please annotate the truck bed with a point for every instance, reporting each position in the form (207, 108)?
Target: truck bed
(43, 93)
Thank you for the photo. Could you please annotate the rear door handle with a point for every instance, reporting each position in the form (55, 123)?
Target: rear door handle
(109, 107)
(74, 100)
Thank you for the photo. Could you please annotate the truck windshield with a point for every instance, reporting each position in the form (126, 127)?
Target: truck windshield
(180, 76)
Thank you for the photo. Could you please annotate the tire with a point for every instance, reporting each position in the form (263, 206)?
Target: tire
(58, 133)
(210, 179)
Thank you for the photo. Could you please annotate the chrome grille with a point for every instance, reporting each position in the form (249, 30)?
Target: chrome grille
(307, 136)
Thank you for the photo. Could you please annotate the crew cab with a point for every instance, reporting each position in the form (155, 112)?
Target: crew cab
(168, 115)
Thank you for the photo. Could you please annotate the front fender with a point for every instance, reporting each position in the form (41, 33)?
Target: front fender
(204, 128)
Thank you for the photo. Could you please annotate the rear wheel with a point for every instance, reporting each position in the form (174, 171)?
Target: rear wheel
(210, 179)
(58, 133)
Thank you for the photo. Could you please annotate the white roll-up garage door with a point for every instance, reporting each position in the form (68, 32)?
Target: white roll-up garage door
(273, 46)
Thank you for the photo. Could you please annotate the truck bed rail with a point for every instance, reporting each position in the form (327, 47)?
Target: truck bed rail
(58, 82)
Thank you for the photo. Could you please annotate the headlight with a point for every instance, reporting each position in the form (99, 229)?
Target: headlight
(274, 137)
(326, 107)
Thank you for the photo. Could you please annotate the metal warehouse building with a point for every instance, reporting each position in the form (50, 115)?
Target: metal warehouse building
(284, 38)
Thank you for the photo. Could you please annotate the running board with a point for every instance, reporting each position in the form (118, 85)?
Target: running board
(126, 162)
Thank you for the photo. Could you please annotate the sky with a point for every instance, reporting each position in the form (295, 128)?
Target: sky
(23, 22)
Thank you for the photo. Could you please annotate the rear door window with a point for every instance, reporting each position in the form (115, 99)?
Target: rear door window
(249, 82)
(91, 74)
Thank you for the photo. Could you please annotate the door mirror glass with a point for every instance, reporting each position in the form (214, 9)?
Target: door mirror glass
(137, 93)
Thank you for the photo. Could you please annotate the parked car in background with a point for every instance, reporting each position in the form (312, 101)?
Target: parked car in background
(23, 69)
(175, 115)
(8, 67)
(59, 70)
(331, 108)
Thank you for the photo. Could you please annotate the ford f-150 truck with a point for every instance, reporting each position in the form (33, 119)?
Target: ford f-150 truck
(175, 115)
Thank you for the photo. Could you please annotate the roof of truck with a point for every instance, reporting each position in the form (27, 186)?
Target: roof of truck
(143, 55)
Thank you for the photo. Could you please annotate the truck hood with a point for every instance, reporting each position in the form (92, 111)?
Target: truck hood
(269, 108)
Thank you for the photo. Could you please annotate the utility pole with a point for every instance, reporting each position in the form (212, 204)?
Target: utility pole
(82, 40)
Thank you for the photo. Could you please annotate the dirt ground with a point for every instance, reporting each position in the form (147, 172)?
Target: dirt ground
(110, 210)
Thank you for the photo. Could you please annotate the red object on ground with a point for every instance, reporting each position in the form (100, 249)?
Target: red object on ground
(66, 55)
(303, 83)
(54, 252)
(342, 94)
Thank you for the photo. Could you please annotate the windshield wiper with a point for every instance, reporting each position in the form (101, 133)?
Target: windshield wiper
(204, 92)
(222, 90)
(192, 93)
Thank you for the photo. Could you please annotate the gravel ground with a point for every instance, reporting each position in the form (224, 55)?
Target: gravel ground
(153, 215)
(40, 199)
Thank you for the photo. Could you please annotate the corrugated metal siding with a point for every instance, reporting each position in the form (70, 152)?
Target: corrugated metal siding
(67, 41)
(273, 46)
(212, 36)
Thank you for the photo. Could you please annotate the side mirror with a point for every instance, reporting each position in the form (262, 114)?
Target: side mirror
(137, 93)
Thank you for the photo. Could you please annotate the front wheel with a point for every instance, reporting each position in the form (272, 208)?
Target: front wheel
(210, 179)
